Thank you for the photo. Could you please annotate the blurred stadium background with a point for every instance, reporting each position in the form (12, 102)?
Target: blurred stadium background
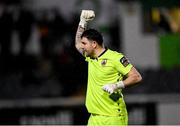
(43, 78)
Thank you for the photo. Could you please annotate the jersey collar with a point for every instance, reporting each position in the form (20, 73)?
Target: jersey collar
(102, 52)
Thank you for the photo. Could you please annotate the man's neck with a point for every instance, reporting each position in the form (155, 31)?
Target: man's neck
(99, 51)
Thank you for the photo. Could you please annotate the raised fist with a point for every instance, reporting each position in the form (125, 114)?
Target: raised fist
(87, 15)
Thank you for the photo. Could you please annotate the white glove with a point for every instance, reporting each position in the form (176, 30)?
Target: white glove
(86, 15)
(111, 88)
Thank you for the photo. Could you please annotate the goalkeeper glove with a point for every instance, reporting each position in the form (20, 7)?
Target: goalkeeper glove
(86, 15)
(111, 88)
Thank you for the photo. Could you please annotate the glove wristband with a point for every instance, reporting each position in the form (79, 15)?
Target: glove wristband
(120, 84)
(83, 23)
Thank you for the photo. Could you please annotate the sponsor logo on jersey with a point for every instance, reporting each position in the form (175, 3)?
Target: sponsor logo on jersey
(124, 61)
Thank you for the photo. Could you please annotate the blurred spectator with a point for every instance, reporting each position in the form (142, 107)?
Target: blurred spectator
(44, 23)
(6, 28)
(53, 30)
(24, 20)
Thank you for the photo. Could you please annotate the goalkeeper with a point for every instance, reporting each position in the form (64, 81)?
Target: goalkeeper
(109, 72)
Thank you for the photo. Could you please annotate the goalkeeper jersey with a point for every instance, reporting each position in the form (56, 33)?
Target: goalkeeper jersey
(109, 67)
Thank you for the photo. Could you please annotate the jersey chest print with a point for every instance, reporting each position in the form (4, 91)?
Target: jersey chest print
(103, 62)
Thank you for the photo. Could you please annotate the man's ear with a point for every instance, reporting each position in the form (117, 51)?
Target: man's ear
(94, 44)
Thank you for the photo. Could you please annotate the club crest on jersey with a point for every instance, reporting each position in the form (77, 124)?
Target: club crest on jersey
(103, 62)
(124, 61)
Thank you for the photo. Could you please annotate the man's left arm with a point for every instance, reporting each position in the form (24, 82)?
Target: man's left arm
(133, 77)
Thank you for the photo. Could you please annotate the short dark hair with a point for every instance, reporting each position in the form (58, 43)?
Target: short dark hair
(94, 35)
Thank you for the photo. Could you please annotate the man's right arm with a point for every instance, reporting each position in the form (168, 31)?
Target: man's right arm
(79, 32)
(86, 16)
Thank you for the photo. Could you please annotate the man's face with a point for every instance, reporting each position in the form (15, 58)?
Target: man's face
(88, 47)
